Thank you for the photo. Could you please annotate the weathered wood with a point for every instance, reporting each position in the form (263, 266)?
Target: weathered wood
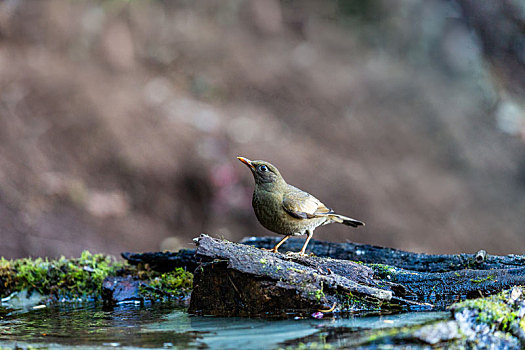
(322, 282)
(164, 261)
(487, 323)
(250, 281)
(444, 288)
(406, 260)
(239, 279)
(167, 261)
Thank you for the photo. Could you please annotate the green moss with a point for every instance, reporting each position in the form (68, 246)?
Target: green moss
(388, 333)
(295, 270)
(319, 294)
(83, 277)
(382, 270)
(173, 284)
(62, 278)
(309, 346)
(353, 303)
(493, 311)
(480, 280)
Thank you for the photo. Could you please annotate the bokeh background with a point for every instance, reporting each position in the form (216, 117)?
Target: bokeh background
(120, 120)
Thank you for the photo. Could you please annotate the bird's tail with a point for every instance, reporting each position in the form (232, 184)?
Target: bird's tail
(346, 220)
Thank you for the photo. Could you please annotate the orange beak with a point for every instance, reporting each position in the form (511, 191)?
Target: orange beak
(247, 162)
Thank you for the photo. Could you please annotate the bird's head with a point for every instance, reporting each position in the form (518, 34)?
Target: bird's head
(263, 172)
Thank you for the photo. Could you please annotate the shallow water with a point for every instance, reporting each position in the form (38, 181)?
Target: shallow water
(161, 326)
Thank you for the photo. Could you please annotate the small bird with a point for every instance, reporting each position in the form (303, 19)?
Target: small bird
(285, 209)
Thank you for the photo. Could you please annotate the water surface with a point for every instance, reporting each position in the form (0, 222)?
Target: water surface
(161, 326)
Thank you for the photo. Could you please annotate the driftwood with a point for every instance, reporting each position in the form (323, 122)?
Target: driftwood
(436, 279)
(240, 279)
(369, 254)
(406, 260)
(494, 322)
(164, 261)
(243, 280)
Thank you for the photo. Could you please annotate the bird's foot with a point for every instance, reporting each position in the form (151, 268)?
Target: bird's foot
(295, 253)
(269, 250)
(299, 254)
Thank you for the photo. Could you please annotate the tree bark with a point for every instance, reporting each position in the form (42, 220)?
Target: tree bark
(240, 279)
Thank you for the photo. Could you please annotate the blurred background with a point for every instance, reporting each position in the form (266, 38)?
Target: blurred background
(120, 120)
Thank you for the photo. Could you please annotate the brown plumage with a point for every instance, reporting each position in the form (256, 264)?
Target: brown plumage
(285, 209)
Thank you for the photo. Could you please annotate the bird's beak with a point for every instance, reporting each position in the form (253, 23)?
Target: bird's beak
(247, 162)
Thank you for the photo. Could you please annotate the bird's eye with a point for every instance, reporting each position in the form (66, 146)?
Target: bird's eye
(263, 168)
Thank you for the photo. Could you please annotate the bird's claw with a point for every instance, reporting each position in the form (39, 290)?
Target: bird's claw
(295, 253)
(269, 250)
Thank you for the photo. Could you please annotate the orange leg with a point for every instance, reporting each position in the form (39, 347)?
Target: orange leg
(310, 235)
(280, 243)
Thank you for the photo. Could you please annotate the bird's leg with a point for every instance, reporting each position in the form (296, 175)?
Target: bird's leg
(274, 249)
(310, 235)
(279, 244)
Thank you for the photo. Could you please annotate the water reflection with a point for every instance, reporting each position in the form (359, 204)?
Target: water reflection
(169, 326)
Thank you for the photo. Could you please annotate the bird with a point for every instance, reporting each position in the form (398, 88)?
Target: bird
(287, 210)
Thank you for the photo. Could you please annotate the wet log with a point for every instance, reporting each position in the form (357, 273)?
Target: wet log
(239, 279)
(185, 258)
(441, 289)
(164, 261)
(393, 257)
(495, 322)
(234, 279)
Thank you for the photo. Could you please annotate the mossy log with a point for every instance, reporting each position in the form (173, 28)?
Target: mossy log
(164, 261)
(494, 322)
(393, 257)
(369, 254)
(236, 279)
(91, 277)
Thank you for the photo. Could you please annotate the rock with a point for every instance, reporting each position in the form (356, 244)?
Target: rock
(120, 289)
(438, 333)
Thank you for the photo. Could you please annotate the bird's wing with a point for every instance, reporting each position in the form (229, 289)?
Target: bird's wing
(302, 205)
